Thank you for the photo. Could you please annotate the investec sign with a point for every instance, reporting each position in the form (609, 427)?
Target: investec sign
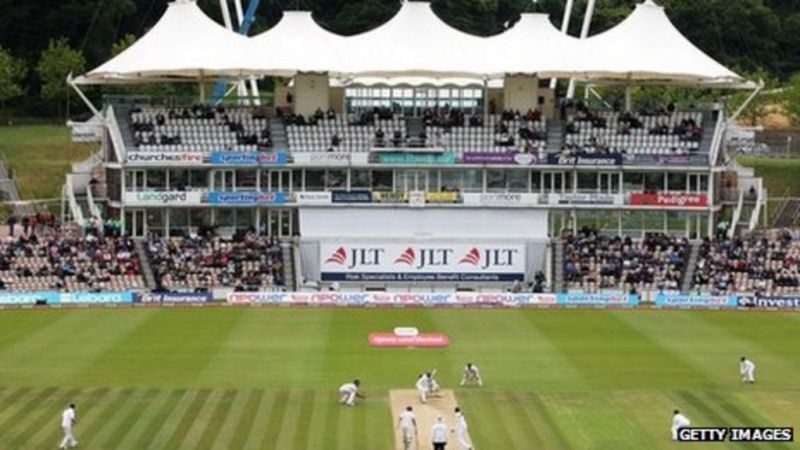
(430, 261)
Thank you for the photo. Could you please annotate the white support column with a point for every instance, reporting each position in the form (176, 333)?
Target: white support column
(564, 29)
(587, 21)
(485, 101)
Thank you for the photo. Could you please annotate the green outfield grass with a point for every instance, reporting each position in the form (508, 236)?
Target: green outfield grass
(201, 378)
(40, 157)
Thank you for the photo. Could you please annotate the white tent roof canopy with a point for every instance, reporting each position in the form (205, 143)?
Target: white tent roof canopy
(185, 43)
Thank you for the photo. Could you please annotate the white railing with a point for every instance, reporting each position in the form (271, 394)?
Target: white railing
(737, 214)
(116, 137)
(93, 209)
(716, 141)
(760, 201)
(74, 207)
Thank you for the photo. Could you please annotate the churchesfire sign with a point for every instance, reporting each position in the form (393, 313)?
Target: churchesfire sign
(429, 261)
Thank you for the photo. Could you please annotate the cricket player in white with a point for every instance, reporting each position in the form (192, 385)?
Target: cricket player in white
(349, 392)
(433, 385)
(461, 430)
(408, 427)
(471, 373)
(423, 387)
(678, 421)
(439, 434)
(68, 419)
(747, 370)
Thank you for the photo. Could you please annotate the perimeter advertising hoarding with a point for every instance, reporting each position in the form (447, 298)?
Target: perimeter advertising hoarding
(770, 301)
(279, 158)
(585, 159)
(54, 298)
(245, 198)
(165, 158)
(430, 261)
(701, 300)
(504, 158)
(445, 158)
(176, 297)
(330, 159)
(670, 199)
(501, 199)
(393, 298)
(162, 198)
(600, 299)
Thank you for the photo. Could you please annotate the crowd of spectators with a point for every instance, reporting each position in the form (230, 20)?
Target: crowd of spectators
(245, 262)
(595, 262)
(768, 264)
(51, 260)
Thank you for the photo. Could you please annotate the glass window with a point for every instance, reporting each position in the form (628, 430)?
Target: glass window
(473, 180)
(676, 182)
(315, 180)
(156, 179)
(633, 182)
(297, 180)
(198, 179)
(336, 179)
(199, 217)
(536, 181)
(703, 180)
(225, 217)
(496, 180)
(178, 220)
(382, 180)
(518, 180)
(587, 181)
(360, 179)
(246, 180)
(654, 181)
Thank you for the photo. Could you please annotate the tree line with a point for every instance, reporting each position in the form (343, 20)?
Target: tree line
(42, 41)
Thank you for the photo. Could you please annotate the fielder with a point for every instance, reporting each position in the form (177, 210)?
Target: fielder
(423, 387)
(408, 427)
(471, 373)
(747, 370)
(678, 421)
(349, 392)
(461, 430)
(68, 419)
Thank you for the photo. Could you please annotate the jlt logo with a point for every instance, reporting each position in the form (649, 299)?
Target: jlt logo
(420, 257)
(435, 257)
(356, 257)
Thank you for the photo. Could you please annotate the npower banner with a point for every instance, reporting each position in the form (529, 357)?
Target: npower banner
(393, 298)
(430, 261)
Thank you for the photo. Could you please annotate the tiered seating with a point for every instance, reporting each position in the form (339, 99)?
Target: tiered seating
(200, 129)
(317, 135)
(678, 133)
(244, 262)
(57, 263)
(766, 264)
(499, 135)
(593, 262)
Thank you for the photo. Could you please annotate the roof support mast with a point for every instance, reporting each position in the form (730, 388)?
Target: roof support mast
(245, 20)
(587, 22)
(564, 29)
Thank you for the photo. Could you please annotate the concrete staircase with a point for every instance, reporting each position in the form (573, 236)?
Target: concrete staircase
(558, 265)
(277, 131)
(691, 265)
(708, 133)
(555, 135)
(287, 252)
(123, 115)
(147, 270)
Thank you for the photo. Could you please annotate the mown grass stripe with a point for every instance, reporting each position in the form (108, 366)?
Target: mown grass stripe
(45, 430)
(124, 423)
(290, 422)
(110, 408)
(145, 426)
(194, 431)
(108, 422)
(217, 419)
(550, 422)
(244, 429)
(361, 433)
(12, 402)
(717, 420)
(160, 423)
(231, 420)
(343, 435)
(187, 419)
(307, 406)
(524, 419)
(28, 408)
(274, 425)
(491, 413)
(324, 401)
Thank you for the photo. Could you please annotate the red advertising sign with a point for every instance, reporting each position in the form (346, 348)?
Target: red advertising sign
(670, 199)
(419, 340)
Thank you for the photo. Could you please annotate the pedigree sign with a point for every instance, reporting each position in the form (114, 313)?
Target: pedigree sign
(670, 199)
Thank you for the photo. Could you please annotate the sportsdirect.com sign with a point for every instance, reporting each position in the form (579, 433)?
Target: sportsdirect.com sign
(386, 262)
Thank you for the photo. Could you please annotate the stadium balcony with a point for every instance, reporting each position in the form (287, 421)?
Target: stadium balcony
(677, 133)
(58, 262)
(199, 128)
(594, 262)
(768, 264)
(244, 262)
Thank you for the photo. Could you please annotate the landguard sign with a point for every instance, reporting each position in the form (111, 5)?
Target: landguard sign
(430, 262)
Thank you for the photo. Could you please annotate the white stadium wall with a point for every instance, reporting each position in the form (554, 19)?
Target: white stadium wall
(311, 92)
(521, 93)
(440, 246)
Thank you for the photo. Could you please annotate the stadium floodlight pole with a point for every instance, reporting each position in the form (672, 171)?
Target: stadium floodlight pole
(587, 21)
(564, 29)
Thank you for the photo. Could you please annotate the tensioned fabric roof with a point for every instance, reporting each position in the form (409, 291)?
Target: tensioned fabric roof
(647, 46)
(186, 44)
